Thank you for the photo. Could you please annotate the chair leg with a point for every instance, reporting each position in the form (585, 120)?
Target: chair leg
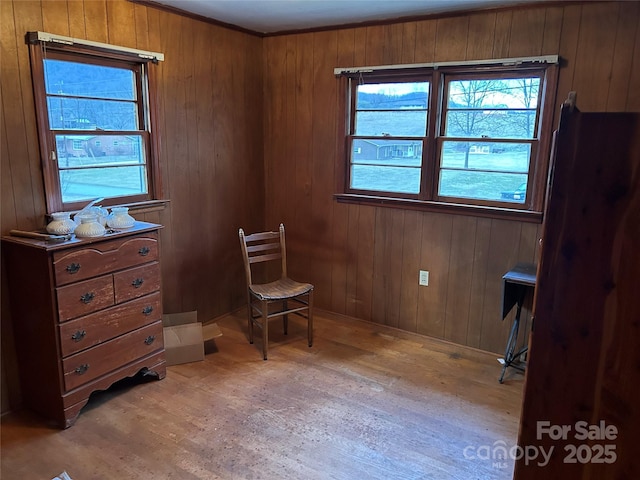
(285, 318)
(250, 318)
(310, 319)
(265, 328)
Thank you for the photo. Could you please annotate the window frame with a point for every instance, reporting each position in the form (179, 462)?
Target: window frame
(428, 198)
(412, 76)
(147, 116)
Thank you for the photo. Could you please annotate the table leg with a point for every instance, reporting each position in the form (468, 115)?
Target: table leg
(509, 356)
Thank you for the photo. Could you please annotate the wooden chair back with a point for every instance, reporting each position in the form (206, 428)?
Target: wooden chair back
(263, 247)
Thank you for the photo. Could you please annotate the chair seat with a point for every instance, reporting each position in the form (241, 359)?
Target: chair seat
(280, 289)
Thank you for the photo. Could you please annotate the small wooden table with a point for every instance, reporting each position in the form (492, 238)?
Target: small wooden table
(517, 284)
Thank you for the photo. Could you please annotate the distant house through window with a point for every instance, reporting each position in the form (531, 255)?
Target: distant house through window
(94, 122)
(464, 135)
(389, 130)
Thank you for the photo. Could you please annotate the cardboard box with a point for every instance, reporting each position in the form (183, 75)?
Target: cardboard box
(184, 337)
(62, 476)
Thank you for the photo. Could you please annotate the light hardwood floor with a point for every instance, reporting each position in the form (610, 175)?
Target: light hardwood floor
(365, 401)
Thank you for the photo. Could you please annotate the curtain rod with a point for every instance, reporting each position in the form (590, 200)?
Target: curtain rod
(35, 37)
(435, 65)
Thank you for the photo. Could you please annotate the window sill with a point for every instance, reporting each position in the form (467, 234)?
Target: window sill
(148, 206)
(441, 207)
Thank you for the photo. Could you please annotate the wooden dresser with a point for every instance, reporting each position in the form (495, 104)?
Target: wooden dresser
(86, 313)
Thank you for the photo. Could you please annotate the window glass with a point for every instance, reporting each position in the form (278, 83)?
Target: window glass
(390, 128)
(88, 80)
(486, 111)
(486, 156)
(393, 96)
(487, 171)
(408, 123)
(501, 108)
(483, 185)
(99, 166)
(80, 114)
(84, 184)
(386, 165)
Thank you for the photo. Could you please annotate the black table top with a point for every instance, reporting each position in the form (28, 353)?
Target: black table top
(523, 273)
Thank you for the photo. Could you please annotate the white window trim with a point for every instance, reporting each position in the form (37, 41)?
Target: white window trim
(548, 59)
(54, 38)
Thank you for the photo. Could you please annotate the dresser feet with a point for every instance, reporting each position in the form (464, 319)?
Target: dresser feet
(137, 372)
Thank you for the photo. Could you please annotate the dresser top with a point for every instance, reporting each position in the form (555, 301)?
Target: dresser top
(139, 227)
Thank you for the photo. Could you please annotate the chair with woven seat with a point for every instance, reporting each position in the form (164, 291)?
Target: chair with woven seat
(278, 298)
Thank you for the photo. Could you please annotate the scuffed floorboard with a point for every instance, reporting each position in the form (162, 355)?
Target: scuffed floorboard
(366, 401)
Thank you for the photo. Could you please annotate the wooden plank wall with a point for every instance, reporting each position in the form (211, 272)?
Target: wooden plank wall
(210, 124)
(213, 89)
(364, 260)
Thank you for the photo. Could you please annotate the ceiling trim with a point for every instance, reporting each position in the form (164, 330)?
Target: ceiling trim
(195, 16)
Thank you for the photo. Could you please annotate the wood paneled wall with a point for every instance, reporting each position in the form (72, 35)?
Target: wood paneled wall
(242, 118)
(364, 260)
(210, 125)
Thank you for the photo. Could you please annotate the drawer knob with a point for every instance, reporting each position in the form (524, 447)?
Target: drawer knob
(149, 340)
(79, 335)
(147, 310)
(144, 251)
(87, 297)
(137, 283)
(73, 268)
(82, 369)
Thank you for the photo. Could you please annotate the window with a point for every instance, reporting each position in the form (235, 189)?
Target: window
(455, 136)
(94, 123)
(389, 134)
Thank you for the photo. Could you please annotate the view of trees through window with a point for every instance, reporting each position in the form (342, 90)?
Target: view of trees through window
(489, 126)
(486, 136)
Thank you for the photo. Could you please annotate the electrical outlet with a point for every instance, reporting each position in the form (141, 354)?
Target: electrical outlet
(424, 278)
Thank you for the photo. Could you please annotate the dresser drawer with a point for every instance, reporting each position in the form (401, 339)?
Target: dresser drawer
(97, 259)
(101, 359)
(136, 282)
(87, 331)
(85, 297)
